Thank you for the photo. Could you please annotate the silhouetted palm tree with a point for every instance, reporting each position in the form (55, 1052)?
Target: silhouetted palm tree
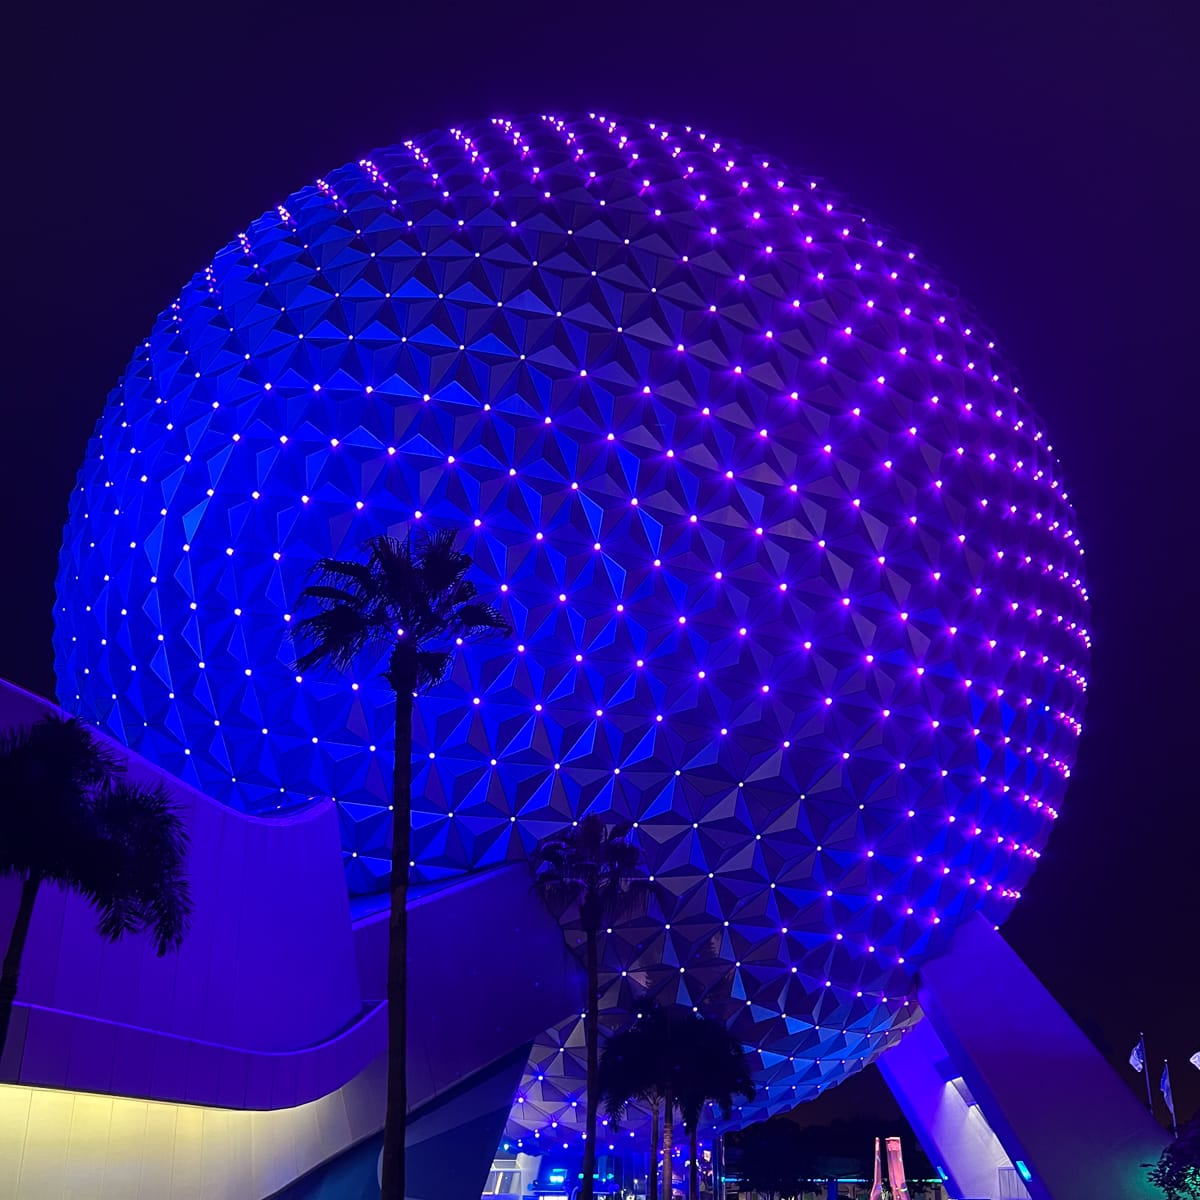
(69, 817)
(635, 1065)
(411, 601)
(711, 1065)
(594, 869)
(670, 1058)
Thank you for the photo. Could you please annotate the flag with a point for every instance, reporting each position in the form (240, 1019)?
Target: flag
(1195, 1060)
(1137, 1056)
(1164, 1086)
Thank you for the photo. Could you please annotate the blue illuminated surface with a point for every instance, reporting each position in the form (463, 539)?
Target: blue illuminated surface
(794, 581)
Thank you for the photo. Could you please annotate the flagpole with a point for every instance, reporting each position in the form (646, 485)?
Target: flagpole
(1146, 1072)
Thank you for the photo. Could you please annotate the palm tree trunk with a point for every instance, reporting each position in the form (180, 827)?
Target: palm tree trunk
(591, 1035)
(694, 1164)
(12, 957)
(652, 1177)
(397, 984)
(668, 1145)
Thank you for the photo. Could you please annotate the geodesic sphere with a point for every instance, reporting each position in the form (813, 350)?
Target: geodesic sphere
(794, 581)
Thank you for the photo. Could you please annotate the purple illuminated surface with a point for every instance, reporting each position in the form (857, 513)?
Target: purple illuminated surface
(794, 579)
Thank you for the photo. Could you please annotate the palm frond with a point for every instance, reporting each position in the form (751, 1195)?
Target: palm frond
(432, 667)
(711, 1066)
(473, 619)
(338, 635)
(47, 771)
(628, 1072)
(395, 577)
(344, 574)
(442, 565)
(69, 814)
(559, 896)
(593, 868)
(143, 846)
(630, 897)
(332, 595)
(76, 749)
(417, 585)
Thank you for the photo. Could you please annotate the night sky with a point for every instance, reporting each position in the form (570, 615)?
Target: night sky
(1039, 154)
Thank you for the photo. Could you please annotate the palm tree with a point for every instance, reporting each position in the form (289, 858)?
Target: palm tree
(635, 1066)
(710, 1066)
(410, 600)
(69, 817)
(591, 869)
(672, 1059)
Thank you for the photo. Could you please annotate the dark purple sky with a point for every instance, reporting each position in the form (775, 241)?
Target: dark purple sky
(1039, 153)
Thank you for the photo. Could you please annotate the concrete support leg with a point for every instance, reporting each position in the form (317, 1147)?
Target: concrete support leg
(942, 1112)
(1003, 1088)
(451, 1141)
